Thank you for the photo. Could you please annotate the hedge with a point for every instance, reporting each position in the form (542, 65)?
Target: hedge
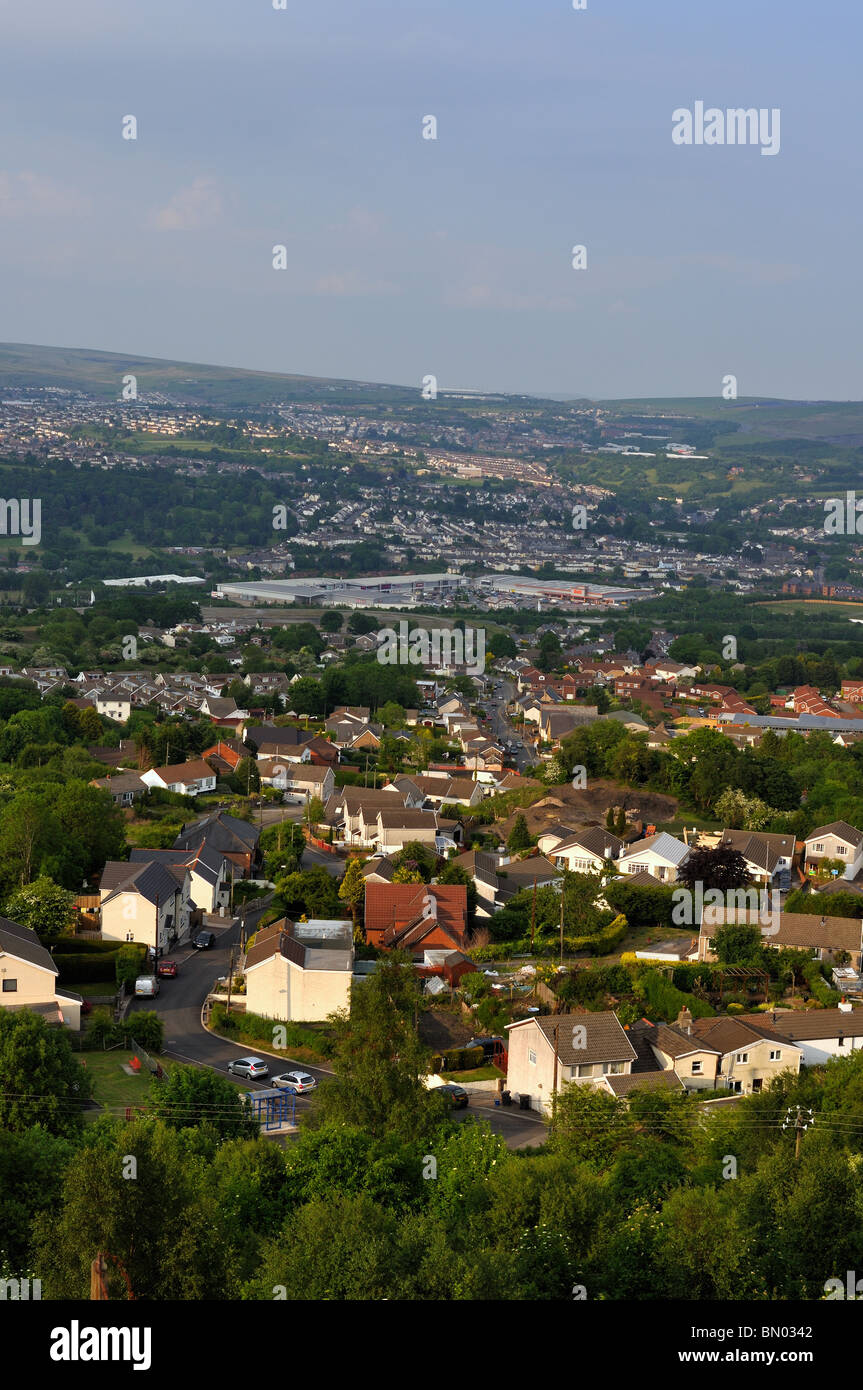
(457, 1059)
(600, 943)
(821, 991)
(73, 945)
(146, 1029)
(74, 968)
(254, 1026)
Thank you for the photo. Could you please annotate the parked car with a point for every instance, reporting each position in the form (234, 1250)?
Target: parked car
(252, 1067)
(167, 969)
(457, 1095)
(204, 940)
(491, 1047)
(297, 1082)
(147, 985)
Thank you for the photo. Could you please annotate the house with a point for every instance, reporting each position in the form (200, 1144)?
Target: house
(28, 978)
(306, 780)
(398, 827)
(125, 788)
(114, 706)
(189, 779)
(416, 917)
(552, 836)
(587, 851)
(659, 855)
(300, 970)
(225, 756)
(286, 736)
(320, 752)
(210, 873)
(838, 840)
(823, 937)
(146, 902)
(723, 1053)
(378, 869)
(236, 839)
(546, 1052)
(820, 1035)
(350, 810)
(767, 856)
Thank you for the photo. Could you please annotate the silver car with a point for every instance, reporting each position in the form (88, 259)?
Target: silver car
(297, 1082)
(252, 1067)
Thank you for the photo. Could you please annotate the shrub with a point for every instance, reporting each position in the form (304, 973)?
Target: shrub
(147, 1029)
(254, 1026)
(129, 963)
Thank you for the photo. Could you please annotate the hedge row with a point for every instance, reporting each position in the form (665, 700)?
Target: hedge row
(254, 1026)
(598, 944)
(75, 946)
(818, 986)
(146, 1029)
(457, 1059)
(74, 968)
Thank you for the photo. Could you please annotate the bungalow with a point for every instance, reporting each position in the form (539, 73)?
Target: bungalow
(587, 851)
(189, 778)
(823, 937)
(767, 856)
(416, 917)
(546, 1052)
(659, 855)
(820, 1035)
(125, 789)
(306, 780)
(28, 978)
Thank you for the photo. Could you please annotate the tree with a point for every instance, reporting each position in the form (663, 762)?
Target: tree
(246, 777)
(27, 831)
(738, 944)
(379, 1060)
(391, 715)
(332, 621)
(352, 889)
(134, 1192)
(41, 1081)
(720, 868)
(43, 906)
(418, 858)
(194, 1095)
(309, 892)
(519, 836)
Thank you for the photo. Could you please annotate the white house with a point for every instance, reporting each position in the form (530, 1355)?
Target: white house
(838, 840)
(189, 779)
(660, 855)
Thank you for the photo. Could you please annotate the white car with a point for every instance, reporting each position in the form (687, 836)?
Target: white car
(297, 1082)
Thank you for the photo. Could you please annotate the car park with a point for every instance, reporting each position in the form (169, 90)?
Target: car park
(204, 940)
(297, 1082)
(252, 1067)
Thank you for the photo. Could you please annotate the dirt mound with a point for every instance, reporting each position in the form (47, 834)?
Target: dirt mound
(569, 805)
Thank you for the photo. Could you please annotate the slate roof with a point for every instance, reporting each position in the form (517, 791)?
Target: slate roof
(24, 944)
(606, 1040)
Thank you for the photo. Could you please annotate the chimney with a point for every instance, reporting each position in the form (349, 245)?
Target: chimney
(684, 1020)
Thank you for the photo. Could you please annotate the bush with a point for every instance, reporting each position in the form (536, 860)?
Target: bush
(78, 946)
(129, 963)
(147, 1029)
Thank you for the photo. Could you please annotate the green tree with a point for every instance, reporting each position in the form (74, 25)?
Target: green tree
(189, 1096)
(379, 1060)
(41, 1080)
(43, 906)
(352, 889)
(519, 836)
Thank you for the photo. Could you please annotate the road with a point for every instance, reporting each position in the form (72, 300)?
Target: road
(521, 757)
(179, 1004)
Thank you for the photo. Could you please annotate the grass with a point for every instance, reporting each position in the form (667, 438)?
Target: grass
(488, 1073)
(113, 1086)
(96, 988)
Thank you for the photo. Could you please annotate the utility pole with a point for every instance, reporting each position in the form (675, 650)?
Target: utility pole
(554, 1082)
(533, 916)
(562, 890)
(98, 1270)
(230, 981)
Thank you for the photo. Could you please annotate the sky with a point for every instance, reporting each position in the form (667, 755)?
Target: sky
(407, 256)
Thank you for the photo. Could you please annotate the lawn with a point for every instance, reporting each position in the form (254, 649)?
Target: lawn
(114, 1088)
(488, 1073)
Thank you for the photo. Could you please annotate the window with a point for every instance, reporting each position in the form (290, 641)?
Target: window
(531, 1057)
(612, 1068)
(586, 1069)
(10, 986)
(775, 1055)
(696, 1068)
(742, 1057)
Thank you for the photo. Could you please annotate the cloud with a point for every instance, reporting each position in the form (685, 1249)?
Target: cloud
(196, 206)
(26, 194)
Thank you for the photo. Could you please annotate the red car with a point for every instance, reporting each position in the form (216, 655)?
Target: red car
(166, 968)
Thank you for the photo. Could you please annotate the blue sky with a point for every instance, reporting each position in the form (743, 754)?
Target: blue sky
(452, 257)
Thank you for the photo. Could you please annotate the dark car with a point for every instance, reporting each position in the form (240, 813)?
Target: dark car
(204, 940)
(457, 1095)
(167, 969)
(491, 1047)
